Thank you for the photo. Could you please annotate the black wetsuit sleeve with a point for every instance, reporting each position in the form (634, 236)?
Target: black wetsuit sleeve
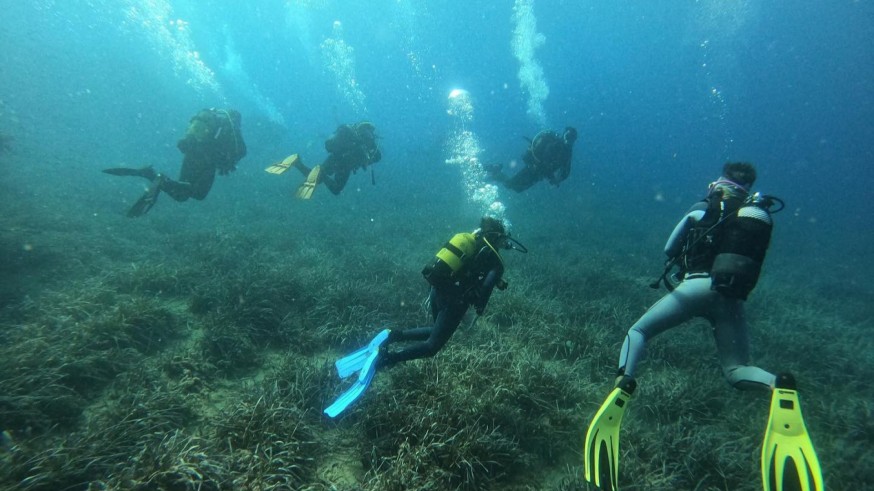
(564, 169)
(488, 286)
(480, 294)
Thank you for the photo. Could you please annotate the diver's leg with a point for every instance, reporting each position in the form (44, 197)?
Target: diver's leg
(335, 181)
(447, 322)
(195, 180)
(730, 329)
(523, 180)
(299, 165)
(495, 172)
(201, 186)
(178, 190)
(689, 299)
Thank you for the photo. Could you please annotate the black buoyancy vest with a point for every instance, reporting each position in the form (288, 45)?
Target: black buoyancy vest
(741, 251)
(464, 260)
(729, 242)
(699, 250)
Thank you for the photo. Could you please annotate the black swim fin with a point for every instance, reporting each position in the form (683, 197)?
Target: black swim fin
(147, 200)
(146, 172)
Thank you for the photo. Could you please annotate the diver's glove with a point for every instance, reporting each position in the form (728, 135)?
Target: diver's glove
(475, 298)
(186, 144)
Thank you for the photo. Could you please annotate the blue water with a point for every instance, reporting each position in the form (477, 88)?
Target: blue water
(662, 93)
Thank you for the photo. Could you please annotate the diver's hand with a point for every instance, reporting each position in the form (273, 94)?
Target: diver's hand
(223, 171)
(186, 144)
(474, 297)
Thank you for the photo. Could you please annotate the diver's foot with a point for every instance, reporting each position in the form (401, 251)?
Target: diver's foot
(384, 360)
(148, 199)
(148, 172)
(492, 169)
(785, 381)
(626, 383)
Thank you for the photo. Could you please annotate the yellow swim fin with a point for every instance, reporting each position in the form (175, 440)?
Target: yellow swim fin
(287, 163)
(789, 462)
(601, 453)
(305, 191)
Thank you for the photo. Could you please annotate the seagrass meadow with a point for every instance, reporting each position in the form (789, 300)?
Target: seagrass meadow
(193, 349)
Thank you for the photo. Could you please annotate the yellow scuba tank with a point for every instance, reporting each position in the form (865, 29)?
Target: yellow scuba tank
(450, 260)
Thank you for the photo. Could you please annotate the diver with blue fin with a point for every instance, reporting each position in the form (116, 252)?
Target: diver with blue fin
(719, 247)
(464, 273)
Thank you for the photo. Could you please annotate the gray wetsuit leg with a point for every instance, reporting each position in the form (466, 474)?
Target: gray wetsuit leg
(694, 298)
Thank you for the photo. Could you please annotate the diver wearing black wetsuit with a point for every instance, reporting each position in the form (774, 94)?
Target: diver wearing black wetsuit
(548, 157)
(465, 273)
(350, 148)
(213, 142)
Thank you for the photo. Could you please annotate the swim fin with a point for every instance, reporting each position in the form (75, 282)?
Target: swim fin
(305, 191)
(287, 163)
(354, 362)
(146, 172)
(365, 376)
(601, 453)
(789, 462)
(147, 200)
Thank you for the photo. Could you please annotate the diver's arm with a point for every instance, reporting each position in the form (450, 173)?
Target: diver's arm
(484, 292)
(565, 169)
(674, 246)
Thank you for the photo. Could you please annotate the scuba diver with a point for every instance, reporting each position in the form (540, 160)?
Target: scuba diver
(548, 157)
(464, 273)
(351, 147)
(718, 246)
(213, 142)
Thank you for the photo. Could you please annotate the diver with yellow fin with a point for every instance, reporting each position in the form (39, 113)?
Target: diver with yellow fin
(719, 247)
(350, 148)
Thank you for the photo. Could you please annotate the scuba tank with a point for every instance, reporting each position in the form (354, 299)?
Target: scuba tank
(451, 263)
(732, 249)
(450, 260)
(741, 249)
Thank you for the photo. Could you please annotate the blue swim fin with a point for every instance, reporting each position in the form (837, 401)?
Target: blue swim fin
(365, 376)
(353, 362)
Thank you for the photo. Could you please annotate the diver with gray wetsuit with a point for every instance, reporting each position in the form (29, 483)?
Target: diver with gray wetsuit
(719, 245)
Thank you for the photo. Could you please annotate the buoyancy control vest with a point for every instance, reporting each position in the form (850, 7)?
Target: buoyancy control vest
(741, 250)
(455, 262)
(450, 261)
(730, 242)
